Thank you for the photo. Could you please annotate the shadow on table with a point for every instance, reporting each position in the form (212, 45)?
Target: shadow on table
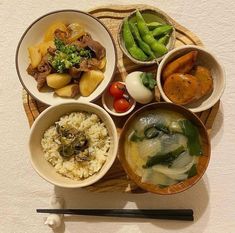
(196, 198)
(217, 128)
(61, 229)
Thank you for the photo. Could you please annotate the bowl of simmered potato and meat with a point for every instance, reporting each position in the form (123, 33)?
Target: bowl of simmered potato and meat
(64, 56)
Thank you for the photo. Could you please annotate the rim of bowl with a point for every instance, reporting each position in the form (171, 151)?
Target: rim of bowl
(201, 125)
(222, 78)
(117, 113)
(156, 60)
(51, 13)
(115, 139)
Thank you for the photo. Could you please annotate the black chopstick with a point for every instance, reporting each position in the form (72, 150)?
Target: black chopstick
(170, 214)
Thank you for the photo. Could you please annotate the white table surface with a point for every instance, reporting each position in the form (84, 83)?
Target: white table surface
(22, 190)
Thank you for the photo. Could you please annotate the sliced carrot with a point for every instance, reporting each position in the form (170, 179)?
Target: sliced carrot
(181, 88)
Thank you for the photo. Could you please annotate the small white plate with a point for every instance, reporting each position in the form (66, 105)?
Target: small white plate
(107, 101)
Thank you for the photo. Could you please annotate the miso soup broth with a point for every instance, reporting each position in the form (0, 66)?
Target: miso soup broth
(162, 147)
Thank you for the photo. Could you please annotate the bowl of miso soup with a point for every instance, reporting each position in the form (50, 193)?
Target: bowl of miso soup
(164, 148)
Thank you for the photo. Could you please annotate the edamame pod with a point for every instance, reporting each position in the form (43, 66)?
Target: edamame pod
(162, 30)
(145, 47)
(164, 40)
(153, 25)
(127, 36)
(130, 44)
(158, 48)
(137, 53)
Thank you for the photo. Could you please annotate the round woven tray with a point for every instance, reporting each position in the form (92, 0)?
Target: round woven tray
(116, 179)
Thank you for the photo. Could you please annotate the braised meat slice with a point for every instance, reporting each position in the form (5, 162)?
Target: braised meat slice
(95, 46)
(89, 64)
(40, 73)
(61, 35)
(75, 73)
(31, 71)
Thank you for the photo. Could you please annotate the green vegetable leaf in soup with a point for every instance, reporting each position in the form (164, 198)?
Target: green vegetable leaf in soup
(192, 133)
(134, 137)
(166, 159)
(193, 171)
(151, 132)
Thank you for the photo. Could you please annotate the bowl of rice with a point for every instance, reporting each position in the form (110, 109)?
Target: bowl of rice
(73, 145)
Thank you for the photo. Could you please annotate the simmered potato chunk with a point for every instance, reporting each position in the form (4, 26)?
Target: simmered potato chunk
(34, 55)
(49, 35)
(89, 81)
(69, 91)
(45, 45)
(102, 64)
(57, 80)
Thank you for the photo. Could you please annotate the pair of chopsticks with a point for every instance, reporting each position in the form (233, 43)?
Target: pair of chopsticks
(169, 214)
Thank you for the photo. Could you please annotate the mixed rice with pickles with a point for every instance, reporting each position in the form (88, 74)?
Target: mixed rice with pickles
(77, 145)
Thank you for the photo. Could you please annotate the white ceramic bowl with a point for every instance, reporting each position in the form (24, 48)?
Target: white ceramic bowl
(34, 35)
(107, 101)
(204, 58)
(163, 18)
(48, 118)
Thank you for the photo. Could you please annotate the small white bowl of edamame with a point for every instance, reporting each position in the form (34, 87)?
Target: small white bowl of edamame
(146, 36)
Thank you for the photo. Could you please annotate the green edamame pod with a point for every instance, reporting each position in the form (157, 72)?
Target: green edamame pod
(153, 25)
(162, 30)
(145, 47)
(142, 26)
(130, 44)
(164, 40)
(158, 48)
(127, 36)
(137, 53)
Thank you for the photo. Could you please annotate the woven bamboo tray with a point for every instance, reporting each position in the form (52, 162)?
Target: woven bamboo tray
(116, 179)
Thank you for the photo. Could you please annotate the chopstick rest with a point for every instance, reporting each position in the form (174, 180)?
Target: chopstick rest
(169, 214)
(54, 220)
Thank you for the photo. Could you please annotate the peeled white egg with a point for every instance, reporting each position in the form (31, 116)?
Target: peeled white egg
(136, 89)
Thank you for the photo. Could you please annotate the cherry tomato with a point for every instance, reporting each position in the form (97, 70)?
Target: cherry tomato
(121, 105)
(117, 90)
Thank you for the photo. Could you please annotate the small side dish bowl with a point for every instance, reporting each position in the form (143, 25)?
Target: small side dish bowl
(204, 58)
(46, 119)
(149, 14)
(107, 101)
(134, 169)
(34, 35)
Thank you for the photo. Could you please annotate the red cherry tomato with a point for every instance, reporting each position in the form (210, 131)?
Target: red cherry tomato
(121, 105)
(117, 90)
